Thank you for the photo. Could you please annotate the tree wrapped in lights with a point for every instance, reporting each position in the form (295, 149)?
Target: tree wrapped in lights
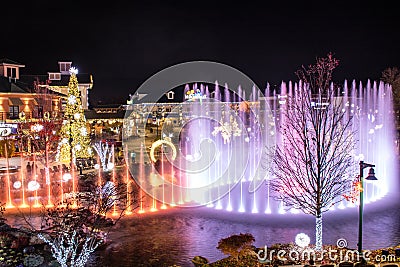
(312, 162)
(75, 228)
(106, 154)
(75, 139)
(43, 136)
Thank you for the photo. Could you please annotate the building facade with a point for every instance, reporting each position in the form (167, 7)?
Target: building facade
(19, 100)
(32, 96)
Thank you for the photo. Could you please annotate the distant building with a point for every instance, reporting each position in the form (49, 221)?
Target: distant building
(19, 100)
(106, 121)
(57, 81)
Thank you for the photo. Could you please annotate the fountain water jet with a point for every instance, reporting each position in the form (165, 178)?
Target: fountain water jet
(224, 170)
(227, 183)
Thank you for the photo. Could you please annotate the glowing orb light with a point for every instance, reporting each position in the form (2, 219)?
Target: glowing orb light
(66, 177)
(17, 184)
(302, 240)
(33, 186)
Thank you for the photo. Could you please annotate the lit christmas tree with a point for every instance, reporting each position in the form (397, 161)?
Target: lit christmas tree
(74, 132)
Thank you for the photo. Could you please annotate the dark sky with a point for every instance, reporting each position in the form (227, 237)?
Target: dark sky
(123, 44)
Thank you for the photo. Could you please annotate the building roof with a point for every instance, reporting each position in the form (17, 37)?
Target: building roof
(91, 114)
(10, 85)
(107, 106)
(83, 78)
(10, 62)
(31, 80)
(172, 96)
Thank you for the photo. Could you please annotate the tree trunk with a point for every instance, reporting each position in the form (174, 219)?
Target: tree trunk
(318, 232)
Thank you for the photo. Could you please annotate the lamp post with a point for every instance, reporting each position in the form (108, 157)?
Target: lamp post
(370, 177)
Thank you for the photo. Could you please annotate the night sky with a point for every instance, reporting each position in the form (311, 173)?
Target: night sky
(123, 44)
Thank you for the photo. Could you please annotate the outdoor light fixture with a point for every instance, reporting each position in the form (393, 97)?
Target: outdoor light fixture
(370, 177)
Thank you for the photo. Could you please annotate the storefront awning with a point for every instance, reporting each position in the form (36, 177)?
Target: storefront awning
(14, 101)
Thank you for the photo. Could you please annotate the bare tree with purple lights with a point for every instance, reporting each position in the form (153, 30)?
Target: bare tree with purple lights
(312, 163)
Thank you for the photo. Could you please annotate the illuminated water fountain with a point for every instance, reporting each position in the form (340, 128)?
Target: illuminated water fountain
(28, 189)
(220, 140)
(213, 154)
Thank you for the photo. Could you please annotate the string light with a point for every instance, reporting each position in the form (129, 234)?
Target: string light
(105, 155)
(227, 129)
(64, 248)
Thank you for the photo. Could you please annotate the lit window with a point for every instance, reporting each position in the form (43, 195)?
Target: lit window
(13, 112)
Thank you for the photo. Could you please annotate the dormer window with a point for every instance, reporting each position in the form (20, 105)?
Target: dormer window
(11, 72)
(10, 69)
(54, 76)
(64, 67)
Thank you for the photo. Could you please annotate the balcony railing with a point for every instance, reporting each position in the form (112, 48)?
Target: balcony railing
(6, 116)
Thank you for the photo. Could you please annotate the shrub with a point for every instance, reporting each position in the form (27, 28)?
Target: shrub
(234, 244)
